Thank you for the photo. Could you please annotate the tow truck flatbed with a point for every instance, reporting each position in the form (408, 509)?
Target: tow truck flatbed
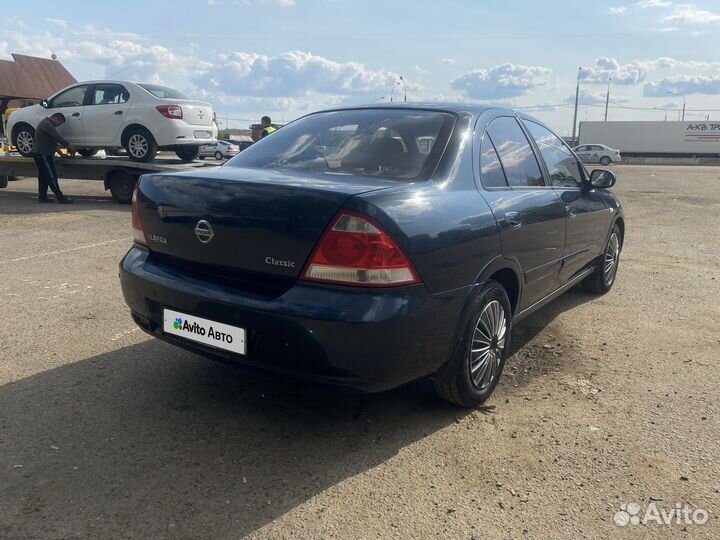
(118, 173)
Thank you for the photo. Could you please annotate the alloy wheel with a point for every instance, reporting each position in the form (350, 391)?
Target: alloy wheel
(25, 142)
(488, 345)
(610, 262)
(138, 145)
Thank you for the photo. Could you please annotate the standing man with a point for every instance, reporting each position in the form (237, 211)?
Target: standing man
(267, 127)
(46, 143)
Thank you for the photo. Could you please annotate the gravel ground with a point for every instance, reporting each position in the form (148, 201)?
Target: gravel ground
(606, 401)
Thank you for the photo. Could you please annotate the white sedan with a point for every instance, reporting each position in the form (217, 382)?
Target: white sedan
(142, 118)
(598, 153)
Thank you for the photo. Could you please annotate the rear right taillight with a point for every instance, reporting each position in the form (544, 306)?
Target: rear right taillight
(356, 251)
(170, 111)
(137, 226)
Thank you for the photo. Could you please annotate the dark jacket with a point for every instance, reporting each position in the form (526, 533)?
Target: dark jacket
(47, 138)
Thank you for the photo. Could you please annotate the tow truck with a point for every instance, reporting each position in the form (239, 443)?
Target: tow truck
(119, 174)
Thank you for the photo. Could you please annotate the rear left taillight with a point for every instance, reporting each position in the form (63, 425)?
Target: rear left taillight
(137, 225)
(170, 111)
(356, 251)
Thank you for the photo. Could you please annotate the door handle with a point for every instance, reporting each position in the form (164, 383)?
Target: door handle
(76, 115)
(570, 212)
(513, 219)
(118, 112)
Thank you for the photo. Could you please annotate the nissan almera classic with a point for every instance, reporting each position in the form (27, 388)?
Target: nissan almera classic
(373, 246)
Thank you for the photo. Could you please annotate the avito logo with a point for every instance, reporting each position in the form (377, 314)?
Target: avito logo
(195, 328)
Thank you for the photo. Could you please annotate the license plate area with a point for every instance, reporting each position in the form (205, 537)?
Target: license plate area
(205, 331)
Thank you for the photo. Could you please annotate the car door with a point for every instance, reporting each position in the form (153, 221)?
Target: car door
(105, 113)
(583, 152)
(588, 217)
(529, 213)
(71, 103)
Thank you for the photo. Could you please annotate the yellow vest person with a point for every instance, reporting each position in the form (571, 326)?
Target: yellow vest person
(267, 127)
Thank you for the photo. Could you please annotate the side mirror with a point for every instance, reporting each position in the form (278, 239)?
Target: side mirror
(44, 104)
(602, 179)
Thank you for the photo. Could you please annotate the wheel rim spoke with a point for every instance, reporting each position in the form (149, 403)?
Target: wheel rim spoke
(611, 256)
(488, 344)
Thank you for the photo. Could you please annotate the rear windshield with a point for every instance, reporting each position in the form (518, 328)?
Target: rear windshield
(398, 144)
(163, 92)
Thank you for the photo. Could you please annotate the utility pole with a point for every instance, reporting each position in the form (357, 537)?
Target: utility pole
(404, 88)
(577, 98)
(607, 98)
(683, 98)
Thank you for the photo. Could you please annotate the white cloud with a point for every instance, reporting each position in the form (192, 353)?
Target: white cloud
(500, 82)
(448, 61)
(294, 73)
(684, 84)
(606, 68)
(62, 23)
(595, 97)
(688, 14)
(618, 10)
(645, 4)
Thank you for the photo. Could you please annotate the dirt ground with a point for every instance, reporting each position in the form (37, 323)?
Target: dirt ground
(606, 401)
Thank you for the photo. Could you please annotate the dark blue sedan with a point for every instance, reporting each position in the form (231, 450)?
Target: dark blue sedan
(373, 246)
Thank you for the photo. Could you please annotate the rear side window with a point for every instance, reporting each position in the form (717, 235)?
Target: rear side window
(491, 173)
(399, 144)
(163, 92)
(562, 166)
(516, 155)
(109, 94)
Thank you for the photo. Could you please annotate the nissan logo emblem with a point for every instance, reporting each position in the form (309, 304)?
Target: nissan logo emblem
(204, 231)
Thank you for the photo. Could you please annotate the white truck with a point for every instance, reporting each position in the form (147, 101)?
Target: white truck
(655, 139)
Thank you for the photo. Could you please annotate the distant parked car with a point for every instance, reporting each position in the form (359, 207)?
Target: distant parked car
(370, 247)
(142, 118)
(598, 153)
(219, 150)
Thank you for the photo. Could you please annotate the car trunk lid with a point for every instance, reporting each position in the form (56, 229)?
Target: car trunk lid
(252, 225)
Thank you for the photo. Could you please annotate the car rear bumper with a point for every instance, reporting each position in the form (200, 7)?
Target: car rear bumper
(370, 340)
(179, 133)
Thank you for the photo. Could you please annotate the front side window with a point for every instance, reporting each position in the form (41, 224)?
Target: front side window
(491, 172)
(388, 143)
(72, 97)
(516, 155)
(561, 163)
(109, 94)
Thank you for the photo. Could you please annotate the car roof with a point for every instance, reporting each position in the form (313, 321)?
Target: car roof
(447, 106)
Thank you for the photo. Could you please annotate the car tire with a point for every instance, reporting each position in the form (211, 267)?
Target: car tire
(122, 186)
(140, 145)
(464, 381)
(218, 155)
(24, 139)
(605, 161)
(603, 278)
(87, 152)
(188, 153)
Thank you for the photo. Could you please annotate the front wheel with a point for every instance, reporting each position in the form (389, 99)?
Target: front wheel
(25, 140)
(605, 161)
(218, 155)
(601, 281)
(87, 152)
(188, 153)
(140, 145)
(472, 375)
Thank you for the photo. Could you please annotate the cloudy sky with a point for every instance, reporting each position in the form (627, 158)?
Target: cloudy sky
(289, 57)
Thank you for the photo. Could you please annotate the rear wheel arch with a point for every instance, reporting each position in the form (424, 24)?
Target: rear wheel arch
(510, 282)
(129, 129)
